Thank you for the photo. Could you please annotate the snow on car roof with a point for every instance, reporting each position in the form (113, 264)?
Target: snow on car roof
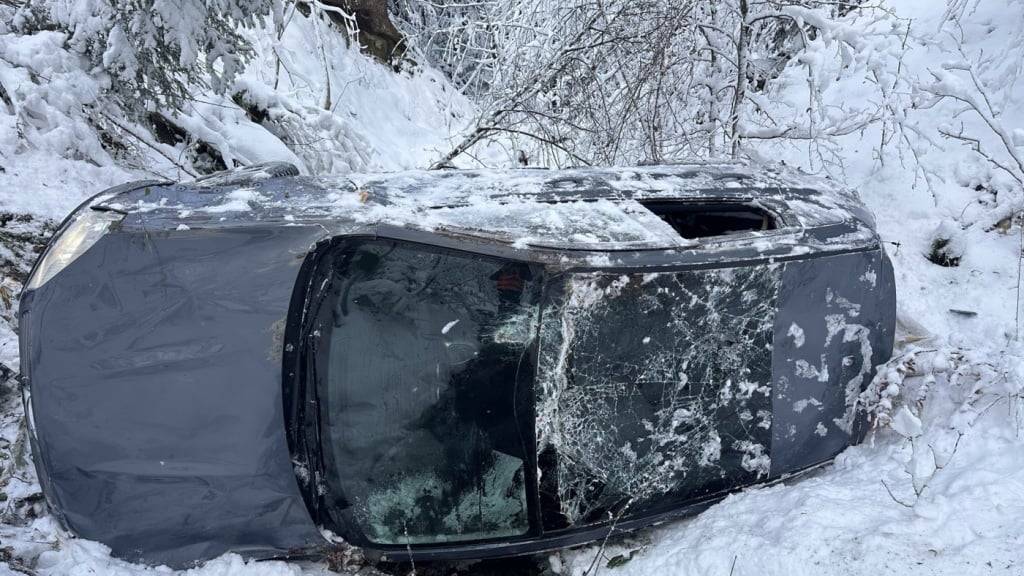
(585, 208)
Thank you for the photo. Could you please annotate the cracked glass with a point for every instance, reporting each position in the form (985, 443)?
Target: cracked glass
(653, 389)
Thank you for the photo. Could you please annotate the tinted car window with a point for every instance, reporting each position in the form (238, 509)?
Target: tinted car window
(426, 360)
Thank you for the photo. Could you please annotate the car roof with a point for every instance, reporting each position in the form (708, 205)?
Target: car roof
(574, 209)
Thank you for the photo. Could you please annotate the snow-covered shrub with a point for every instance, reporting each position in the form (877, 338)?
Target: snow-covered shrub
(53, 102)
(155, 51)
(624, 81)
(46, 90)
(323, 142)
(976, 88)
(259, 124)
(844, 78)
(932, 396)
(458, 37)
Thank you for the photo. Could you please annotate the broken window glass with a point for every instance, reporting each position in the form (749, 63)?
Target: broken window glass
(653, 389)
(427, 390)
(702, 220)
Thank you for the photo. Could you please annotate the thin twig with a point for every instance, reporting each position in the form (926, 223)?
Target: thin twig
(149, 144)
(595, 565)
(893, 496)
(1020, 270)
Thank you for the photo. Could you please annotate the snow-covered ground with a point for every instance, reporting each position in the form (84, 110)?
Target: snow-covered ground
(939, 491)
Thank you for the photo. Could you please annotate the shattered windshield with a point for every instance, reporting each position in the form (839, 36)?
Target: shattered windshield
(428, 376)
(653, 389)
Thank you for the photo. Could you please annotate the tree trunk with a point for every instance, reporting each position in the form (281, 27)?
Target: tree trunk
(740, 93)
(377, 33)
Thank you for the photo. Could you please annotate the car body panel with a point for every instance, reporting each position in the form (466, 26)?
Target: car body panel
(833, 327)
(158, 412)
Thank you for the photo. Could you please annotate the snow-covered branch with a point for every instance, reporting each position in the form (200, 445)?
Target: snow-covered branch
(625, 81)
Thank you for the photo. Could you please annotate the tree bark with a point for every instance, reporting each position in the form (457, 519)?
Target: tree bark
(377, 33)
(740, 93)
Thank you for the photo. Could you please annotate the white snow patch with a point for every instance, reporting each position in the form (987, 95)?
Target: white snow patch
(906, 423)
(801, 405)
(870, 278)
(797, 334)
(240, 200)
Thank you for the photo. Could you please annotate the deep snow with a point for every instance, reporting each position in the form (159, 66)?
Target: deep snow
(941, 491)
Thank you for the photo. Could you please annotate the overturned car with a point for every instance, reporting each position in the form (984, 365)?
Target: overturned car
(443, 365)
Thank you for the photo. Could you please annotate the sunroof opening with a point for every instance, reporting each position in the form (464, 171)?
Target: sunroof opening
(705, 220)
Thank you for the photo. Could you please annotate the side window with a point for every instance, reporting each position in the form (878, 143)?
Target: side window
(425, 360)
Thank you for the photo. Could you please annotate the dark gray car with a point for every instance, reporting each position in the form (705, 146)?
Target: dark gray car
(457, 364)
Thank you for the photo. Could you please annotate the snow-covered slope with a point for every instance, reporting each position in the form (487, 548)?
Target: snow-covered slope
(329, 109)
(939, 491)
